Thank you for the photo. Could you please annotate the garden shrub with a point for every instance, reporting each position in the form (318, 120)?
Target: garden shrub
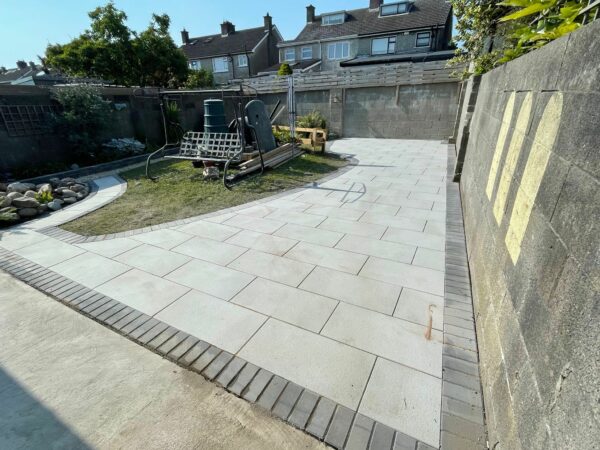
(83, 117)
(285, 69)
(198, 79)
(312, 120)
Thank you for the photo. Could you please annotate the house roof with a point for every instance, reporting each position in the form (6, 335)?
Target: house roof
(242, 41)
(15, 73)
(359, 22)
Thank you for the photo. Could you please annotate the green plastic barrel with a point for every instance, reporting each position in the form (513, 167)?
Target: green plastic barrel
(214, 116)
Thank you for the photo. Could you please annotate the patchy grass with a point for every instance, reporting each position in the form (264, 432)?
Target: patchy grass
(180, 192)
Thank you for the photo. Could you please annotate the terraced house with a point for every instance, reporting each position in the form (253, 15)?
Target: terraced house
(233, 54)
(395, 31)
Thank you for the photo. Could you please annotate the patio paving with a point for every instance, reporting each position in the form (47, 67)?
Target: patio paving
(331, 287)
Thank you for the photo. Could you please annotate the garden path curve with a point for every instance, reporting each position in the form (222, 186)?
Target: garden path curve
(345, 302)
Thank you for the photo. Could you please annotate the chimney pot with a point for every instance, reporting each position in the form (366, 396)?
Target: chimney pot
(227, 28)
(268, 22)
(21, 64)
(375, 4)
(185, 37)
(310, 14)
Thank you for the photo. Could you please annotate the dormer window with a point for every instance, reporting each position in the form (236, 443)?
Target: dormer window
(333, 19)
(392, 9)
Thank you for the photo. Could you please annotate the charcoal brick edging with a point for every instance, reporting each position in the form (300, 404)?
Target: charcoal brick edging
(326, 420)
(58, 233)
(463, 415)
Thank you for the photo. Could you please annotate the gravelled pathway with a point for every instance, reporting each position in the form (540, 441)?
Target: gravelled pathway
(338, 287)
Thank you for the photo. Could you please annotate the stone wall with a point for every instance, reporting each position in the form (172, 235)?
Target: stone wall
(531, 199)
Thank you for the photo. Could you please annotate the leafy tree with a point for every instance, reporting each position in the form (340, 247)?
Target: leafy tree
(285, 69)
(494, 32)
(198, 79)
(109, 50)
(84, 116)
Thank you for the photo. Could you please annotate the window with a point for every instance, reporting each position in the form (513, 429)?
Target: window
(194, 65)
(383, 46)
(338, 50)
(394, 8)
(423, 39)
(220, 65)
(290, 54)
(306, 52)
(243, 60)
(333, 19)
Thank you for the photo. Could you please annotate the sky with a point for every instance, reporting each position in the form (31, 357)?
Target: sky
(28, 26)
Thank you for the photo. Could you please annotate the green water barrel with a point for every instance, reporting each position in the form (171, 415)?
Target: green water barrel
(214, 116)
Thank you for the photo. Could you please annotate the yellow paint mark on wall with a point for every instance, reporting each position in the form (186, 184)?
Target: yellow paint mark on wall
(504, 128)
(537, 163)
(512, 156)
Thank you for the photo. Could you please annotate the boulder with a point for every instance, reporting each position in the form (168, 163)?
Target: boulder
(55, 182)
(54, 205)
(30, 194)
(42, 208)
(13, 195)
(46, 187)
(78, 188)
(3, 187)
(20, 187)
(67, 181)
(5, 201)
(27, 212)
(25, 202)
(68, 193)
(79, 196)
(69, 200)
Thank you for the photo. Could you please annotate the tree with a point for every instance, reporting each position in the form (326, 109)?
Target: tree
(493, 32)
(109, 50)
(198, 79)
(83, 117)
(285, 69)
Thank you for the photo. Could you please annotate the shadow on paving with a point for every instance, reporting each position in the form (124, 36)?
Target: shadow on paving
(26, 423)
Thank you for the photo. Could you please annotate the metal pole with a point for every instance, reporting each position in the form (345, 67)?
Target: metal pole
(291, 100)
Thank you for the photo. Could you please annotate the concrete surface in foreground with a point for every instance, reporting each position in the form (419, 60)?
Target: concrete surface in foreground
(68, 382)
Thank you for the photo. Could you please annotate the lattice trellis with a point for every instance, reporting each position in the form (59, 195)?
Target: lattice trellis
(26, 120)
(210, 146)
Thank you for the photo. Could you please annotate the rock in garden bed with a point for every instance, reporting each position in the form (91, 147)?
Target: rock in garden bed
(25, 201)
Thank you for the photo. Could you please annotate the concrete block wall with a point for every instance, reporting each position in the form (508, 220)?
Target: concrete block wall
(531, 198)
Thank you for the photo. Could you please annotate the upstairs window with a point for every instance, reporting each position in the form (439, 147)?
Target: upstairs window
(394, 8)
(333, 19)
(289, 54)
(338, 50)
(243, 60)
(306, 52)
(220, 65)
(423, 39)
(383, 46)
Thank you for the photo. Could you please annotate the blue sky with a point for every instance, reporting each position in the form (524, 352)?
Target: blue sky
(27, 26)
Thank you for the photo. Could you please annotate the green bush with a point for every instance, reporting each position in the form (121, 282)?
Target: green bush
(312, 120)
(285, 69)
(198, 79)
(84, 115)
(283, 136)
(44, 197)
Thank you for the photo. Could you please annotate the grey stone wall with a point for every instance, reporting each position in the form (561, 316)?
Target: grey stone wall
(425, 111)
(531, 198)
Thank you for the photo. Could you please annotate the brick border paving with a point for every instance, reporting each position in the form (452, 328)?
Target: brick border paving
(462, 423)
(319, 416)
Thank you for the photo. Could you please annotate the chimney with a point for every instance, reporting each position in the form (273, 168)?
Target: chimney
(2, 70)
(185, 37)
(268, 22)
(310, 14)
(227, 28)
(375, 4)
(32, 65)
(21, 64)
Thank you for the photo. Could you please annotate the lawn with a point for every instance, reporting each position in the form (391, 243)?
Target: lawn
(181, 192)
